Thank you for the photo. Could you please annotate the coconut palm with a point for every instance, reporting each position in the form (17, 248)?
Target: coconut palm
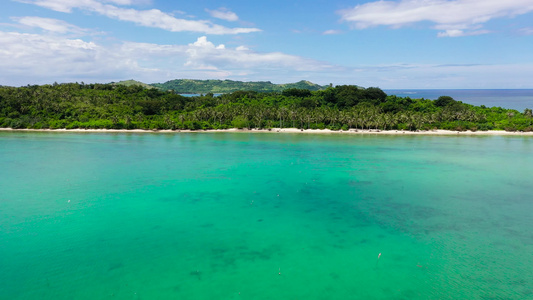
(529, 114)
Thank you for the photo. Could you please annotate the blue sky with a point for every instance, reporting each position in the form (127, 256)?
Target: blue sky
(390, 44)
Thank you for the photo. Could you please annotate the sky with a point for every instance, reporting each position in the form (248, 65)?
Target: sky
(396, 44)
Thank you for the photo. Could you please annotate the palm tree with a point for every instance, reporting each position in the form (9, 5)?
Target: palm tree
(320, 115)
(114, 119)
(169, 122)
(385, 120)
(308, 117)
(332, 115)
(529, 114)
(127, 121)
(181, 118)
(293, 113)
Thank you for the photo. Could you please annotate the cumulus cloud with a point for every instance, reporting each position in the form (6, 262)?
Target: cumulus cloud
(204, 59)
(454, 18)
(149, 18)
(40, 58)
(36, 57)
(204, 54)
(223, 14)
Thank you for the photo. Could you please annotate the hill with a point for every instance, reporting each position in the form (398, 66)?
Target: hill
(132, 82)
(191, 86)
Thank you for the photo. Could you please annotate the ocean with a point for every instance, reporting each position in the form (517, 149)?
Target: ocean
(518, 99)
(264, 216)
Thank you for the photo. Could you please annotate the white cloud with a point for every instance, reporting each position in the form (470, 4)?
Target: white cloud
(129, 2)
(44, 58)
(66, 6)
(455, 18)
(149, 18)
(223, 14)
(39, 58)
(331, 31)
(526, 31)
(204, 59)
(51, 25)
(458, 32)
(205, 54)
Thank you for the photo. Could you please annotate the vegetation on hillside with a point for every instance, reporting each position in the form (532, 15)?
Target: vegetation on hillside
(74, 105)
(132, 82)
(191, 86)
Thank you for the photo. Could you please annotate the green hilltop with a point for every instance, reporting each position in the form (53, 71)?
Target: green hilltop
(192, 86)
(132, 82)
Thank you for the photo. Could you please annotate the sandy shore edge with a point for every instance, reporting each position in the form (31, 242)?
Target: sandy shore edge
(290, 130)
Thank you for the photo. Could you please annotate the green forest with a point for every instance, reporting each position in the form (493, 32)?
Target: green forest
(112, 106)
(191, 86)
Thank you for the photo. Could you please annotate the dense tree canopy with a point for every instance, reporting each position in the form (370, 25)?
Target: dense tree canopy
(82, 105)
(191, 86)
(444, 101)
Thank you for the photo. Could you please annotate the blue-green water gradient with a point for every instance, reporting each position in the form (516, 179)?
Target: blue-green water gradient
(265, 216)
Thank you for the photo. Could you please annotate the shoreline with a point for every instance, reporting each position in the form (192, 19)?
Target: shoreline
(288, 130)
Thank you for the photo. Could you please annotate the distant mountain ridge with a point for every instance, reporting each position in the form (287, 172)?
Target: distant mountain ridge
(193, 86)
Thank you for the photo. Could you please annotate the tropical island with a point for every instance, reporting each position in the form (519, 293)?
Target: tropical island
(130, 105)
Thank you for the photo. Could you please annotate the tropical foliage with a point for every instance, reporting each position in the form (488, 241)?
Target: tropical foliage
(190, 86)
(344, 107)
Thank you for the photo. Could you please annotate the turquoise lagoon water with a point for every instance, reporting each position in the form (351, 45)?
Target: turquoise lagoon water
(265, 216)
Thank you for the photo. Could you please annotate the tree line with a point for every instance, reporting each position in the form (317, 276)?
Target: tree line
(110, 106)
(192, 86)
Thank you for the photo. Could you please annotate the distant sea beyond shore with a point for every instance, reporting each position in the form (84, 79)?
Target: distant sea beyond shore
(518, 99)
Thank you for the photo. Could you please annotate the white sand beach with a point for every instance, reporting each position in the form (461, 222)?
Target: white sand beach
(292, 130)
